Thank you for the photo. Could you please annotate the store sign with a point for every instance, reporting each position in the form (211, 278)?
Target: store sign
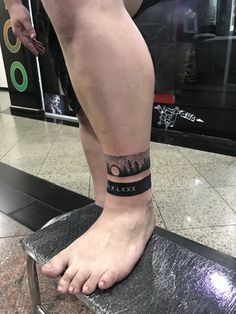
(20, 67)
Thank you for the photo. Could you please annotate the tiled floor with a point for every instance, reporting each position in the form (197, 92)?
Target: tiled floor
(194, 196)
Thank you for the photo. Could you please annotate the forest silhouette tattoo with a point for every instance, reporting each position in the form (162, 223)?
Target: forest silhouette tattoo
(129, 165)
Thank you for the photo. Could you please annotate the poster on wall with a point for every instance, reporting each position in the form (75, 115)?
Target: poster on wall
(21, 69)
(57, 90)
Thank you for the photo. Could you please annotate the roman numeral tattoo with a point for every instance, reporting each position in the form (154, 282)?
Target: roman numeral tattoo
(129, 189)
(128, 165)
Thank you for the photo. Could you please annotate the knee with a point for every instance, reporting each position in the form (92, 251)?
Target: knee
(71, 18)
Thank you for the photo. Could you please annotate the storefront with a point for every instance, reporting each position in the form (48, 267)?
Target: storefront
(192, 43)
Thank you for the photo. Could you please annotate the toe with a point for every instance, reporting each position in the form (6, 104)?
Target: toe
(55, 266)
(107, 280)
(91, 284)
(78, 281)
(65, 281)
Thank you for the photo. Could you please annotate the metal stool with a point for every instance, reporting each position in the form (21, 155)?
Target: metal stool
(174, 275)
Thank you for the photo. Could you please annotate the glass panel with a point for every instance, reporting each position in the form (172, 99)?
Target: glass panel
(193, 46)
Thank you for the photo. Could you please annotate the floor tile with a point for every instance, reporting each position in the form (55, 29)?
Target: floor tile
(30, 166)
(46, 127)
(48, 293)
(5, 147)
(28, 151)
(164, 147)
(5, 100)
(11, 133)
(222, 239)
(70, 305)
(38, 137)
(10, 228)
(35, 215)
(66, 149)
(5, 118)
(176, 177)
(12, 269)
(158, 217)
(162, 157)
(193, 208)
(200, 157)
(63, 164)
(51, 194)
(68, 134)
(229, 195)
(11, 199)
(27, 157)
(218, 174)
(21, 123)
(74, 181)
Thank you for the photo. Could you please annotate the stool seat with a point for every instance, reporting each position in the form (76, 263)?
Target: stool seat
(170, 278)
(60, 232)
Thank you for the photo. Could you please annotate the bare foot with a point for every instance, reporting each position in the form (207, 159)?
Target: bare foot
(109, 250)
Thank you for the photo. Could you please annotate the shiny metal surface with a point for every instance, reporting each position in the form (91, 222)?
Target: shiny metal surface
(169, 279)
(33, 285)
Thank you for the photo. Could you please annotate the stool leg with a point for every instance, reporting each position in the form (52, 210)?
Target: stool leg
(34, 286)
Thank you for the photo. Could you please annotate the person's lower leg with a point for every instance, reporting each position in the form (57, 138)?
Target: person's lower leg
(112, 73)
(91, 145)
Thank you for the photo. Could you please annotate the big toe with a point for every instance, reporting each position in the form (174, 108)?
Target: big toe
(55, 267)
(107, 280)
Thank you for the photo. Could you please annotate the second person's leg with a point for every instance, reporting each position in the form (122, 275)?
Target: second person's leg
(113, 76)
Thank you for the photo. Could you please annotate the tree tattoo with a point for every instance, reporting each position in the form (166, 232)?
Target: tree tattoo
(129, 165)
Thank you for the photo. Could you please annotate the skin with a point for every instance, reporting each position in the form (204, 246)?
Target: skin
(22, 27)
(109, 250)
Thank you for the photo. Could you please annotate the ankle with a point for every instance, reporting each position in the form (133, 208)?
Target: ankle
(100, 201)
(137, 203)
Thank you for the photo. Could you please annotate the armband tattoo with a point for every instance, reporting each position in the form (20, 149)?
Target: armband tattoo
(129, 189)
(128, 165)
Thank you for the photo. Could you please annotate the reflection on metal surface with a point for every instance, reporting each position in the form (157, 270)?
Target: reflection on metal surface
(220, 283)
(221, 288)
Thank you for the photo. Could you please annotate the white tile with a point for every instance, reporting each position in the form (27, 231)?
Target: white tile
(194, 208)
(182, 176)
(197, 156)
(219, 174)
(229, 195)
(219, 238)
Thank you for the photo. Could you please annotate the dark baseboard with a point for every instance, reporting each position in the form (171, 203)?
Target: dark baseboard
(39, 114)
(4, 89)
(195, 141)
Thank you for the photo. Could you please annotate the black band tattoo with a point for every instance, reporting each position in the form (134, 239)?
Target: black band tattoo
(129, 165)
(129, 189)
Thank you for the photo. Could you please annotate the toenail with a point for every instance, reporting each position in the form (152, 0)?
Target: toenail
(71, 289)
(85, 289)
(102, 284)
(59, 288)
